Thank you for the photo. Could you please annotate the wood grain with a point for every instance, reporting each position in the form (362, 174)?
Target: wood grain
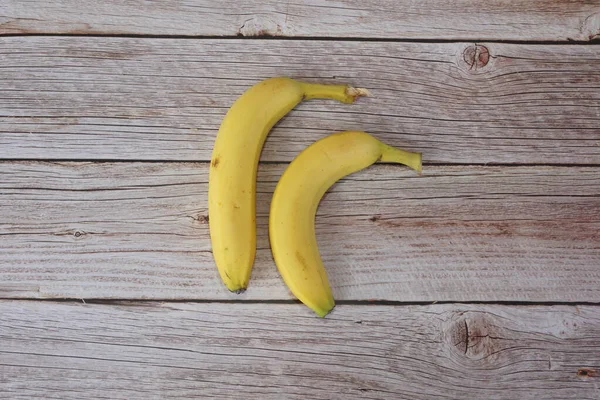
(139, 231)
(163, 99)
(559, 20)
(274, 351)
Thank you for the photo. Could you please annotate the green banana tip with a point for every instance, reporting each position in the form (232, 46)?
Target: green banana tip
(413, 160)
(324, 312)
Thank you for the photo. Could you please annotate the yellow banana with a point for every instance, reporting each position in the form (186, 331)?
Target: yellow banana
(232, 176)
(295, 201)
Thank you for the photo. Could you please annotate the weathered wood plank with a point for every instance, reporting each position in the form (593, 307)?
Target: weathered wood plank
(142, 351)
(404, 19)
(158, 99)
(138, 230)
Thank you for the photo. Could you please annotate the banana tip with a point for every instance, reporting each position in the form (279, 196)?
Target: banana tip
(238, 291)
(324, 312)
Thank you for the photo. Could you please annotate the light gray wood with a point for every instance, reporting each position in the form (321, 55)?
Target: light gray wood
(559, 20)
(275, 351)
(163, 99)
(139, 231)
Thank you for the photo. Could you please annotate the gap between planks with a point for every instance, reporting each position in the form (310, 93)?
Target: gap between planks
(366, 303)
(308, 38)
(267, 162)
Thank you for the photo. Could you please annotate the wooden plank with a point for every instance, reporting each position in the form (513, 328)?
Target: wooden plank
(158, 99)
(559, 20)
(139, 231)
(272, 351)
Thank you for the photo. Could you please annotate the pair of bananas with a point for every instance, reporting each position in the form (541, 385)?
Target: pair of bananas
(232, 187)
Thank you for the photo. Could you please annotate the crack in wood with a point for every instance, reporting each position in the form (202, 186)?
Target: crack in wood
(466, 336)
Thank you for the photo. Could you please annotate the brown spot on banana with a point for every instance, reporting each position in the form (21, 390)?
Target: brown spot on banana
(302, 260)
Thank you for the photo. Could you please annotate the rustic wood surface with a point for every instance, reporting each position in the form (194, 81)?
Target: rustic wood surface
(139, 231)
(108, 114)
(159, 99)
(274, 351)
(558, 20)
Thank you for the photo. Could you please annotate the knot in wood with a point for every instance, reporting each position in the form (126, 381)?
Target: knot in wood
(375, 218)
(474, 335)
(586, 372)
(261, 26)
(590, 28)
(476, 56)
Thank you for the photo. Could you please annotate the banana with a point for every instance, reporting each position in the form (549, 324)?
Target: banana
(234, 162)
(295, 202)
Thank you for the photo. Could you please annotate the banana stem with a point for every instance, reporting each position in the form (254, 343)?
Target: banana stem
(343, 93)
(408, 158)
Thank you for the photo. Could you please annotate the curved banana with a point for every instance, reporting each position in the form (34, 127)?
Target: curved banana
(295, 202)
(232, 176)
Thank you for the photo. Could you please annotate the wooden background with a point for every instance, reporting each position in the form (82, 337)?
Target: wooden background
(480, 278)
